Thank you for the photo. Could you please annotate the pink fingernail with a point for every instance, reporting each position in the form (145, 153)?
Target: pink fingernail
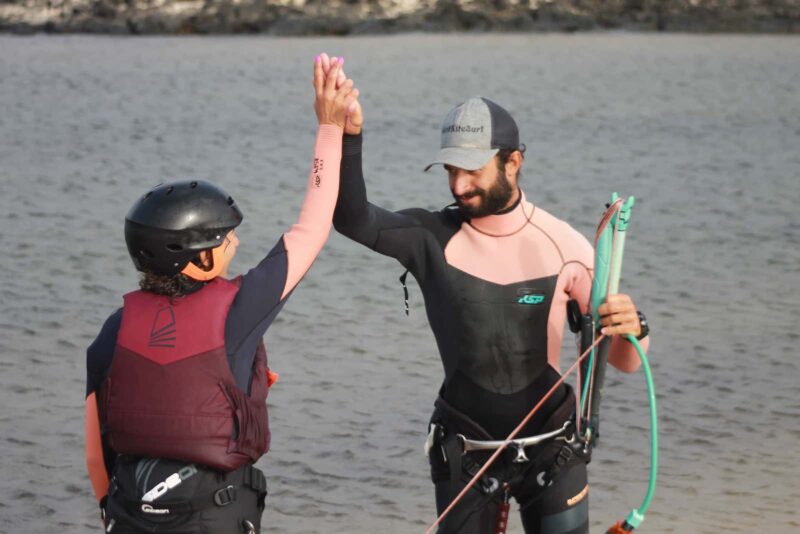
(317, 59)
(341, 60)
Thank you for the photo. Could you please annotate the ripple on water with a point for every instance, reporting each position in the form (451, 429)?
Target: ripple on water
(92, 122)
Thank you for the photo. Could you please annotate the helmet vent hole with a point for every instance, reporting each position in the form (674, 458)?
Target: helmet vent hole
(230, 201)
(193, 185)
(169, 190)
(147, 195)
(174, 247)
(147, 254)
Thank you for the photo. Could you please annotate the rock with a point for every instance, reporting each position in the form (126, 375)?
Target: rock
(344, 17)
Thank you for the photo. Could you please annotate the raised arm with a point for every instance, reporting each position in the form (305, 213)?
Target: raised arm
(401, 235)
(265, 287)
(305, 239)
(355, 216)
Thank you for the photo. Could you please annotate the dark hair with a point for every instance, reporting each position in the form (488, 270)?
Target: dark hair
(170, 285)
(176, 285)
(504, 153)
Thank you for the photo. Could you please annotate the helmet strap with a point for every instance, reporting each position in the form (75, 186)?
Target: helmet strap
(196, 273)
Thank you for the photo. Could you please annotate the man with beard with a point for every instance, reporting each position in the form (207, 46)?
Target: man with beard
(496, 272)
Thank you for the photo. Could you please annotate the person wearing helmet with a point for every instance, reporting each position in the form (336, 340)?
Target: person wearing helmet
(496, 272)
(177, 379)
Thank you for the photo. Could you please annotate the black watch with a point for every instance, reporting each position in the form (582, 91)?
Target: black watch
(645, 328)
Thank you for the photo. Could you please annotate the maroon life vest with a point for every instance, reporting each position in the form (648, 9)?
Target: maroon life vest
(170, 392)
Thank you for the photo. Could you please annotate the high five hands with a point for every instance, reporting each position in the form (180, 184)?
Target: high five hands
(335, 94)
(355, 117)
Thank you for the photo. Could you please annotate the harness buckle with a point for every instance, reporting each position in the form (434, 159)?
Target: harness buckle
(521, 457)
(225, 496)
(430, 439)
(565, 454)
(436, 437)
(490, 485)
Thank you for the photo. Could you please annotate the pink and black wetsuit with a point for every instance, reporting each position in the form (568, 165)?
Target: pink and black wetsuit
(261, 292)
(495, 291)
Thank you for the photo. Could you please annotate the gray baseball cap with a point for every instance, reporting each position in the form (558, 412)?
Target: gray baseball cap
(473, 132)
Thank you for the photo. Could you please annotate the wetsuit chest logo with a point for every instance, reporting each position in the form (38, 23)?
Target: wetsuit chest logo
(529, 296)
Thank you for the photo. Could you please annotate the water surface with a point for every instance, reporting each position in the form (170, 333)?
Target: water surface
(703, 130)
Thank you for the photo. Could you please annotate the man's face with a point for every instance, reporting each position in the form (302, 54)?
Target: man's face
(480, 192)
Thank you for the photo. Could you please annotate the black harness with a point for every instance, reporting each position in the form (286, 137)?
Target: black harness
(525, 479)
(133, 500)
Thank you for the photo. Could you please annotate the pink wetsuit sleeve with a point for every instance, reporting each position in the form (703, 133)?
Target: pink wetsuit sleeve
(305, 239)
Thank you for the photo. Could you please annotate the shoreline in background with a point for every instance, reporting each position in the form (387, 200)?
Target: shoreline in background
(365, 17)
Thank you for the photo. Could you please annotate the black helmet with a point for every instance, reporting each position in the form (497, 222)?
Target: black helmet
(171, 224)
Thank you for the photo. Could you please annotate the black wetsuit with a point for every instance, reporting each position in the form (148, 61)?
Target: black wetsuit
(495, 293)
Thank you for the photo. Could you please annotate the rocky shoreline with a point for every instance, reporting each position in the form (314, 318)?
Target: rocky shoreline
(357, 17)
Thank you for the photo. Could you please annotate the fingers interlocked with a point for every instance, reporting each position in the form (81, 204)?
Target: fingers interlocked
(333, 100)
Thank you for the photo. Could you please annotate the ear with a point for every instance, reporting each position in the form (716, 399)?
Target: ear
(206, 259)
(513, 164)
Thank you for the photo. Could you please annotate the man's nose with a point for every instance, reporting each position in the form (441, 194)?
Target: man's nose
(460, 183)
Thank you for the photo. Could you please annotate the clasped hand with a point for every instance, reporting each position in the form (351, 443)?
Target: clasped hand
(333, 101)
(355, 117)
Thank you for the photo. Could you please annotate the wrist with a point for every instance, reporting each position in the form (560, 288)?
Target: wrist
(351, 144)
(330, 127)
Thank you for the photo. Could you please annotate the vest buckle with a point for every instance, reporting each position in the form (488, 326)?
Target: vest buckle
(225, 496)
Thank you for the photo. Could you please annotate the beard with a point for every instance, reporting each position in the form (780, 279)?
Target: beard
(493, 200)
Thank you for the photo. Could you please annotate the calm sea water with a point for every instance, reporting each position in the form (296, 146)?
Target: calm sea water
(703, 130)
